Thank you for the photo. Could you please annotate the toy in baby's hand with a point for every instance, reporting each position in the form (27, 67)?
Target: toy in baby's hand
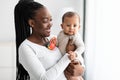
(52, 43)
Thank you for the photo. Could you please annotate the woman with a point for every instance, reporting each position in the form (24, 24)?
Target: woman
(32, 23)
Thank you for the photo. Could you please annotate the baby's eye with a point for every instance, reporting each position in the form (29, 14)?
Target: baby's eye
(51, 19)
(75, 25)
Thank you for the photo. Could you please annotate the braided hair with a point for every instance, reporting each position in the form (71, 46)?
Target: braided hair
(24, 10)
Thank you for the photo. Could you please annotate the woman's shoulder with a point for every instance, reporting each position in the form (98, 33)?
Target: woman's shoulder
(26, 43)
(23, 43)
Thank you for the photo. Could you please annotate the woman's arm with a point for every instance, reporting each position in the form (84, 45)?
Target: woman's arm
(74, 69)
(35, 68)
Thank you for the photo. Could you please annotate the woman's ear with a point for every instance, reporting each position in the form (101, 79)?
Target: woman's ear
(31, 22)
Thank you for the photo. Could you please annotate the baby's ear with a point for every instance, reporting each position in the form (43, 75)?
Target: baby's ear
(62, 26)
(79, 27)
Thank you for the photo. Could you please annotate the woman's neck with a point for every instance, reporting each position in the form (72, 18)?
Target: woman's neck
(38, 39)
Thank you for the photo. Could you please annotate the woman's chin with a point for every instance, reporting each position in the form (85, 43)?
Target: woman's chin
(47, 35)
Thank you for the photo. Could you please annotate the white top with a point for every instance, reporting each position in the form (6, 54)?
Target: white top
(77, 40)
(42, 63)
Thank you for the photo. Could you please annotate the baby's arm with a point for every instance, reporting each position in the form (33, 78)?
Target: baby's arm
(77, 46)
(70, 48)
(72, 55)
(80, 47)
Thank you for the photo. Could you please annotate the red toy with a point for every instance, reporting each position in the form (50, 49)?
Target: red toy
(52, 43)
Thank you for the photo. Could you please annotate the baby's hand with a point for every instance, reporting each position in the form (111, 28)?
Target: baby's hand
(52, 43)
(70, 46)
(53, 40)
(72, 55)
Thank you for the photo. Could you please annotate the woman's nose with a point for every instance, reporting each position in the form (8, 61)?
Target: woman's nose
(50, 24)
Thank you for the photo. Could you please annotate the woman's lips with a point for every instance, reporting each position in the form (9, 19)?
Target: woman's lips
(48, 31)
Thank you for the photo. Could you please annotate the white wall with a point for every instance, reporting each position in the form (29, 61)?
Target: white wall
(7, 38)
(102, 40)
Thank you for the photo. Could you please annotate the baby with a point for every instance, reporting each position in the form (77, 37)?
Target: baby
(70, 27)
(69, 35)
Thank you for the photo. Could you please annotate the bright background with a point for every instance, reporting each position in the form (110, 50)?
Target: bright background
(101, 36)
(102, 40)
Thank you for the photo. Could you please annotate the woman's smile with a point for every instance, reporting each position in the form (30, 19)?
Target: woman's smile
(48, 30)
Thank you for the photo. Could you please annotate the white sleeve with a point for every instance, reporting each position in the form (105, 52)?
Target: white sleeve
(34, 67)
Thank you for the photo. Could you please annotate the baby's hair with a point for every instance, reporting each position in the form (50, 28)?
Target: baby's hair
(69, 14)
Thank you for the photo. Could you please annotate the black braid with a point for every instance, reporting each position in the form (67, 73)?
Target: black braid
(24, 10)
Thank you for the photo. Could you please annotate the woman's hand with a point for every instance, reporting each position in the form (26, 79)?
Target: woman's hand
(74, 69)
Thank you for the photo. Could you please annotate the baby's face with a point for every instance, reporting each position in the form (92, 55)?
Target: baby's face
(71, 25)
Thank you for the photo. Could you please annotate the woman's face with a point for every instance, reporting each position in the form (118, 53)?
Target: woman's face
(42, 23)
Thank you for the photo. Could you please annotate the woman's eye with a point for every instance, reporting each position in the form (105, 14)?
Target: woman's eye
(45, 20)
